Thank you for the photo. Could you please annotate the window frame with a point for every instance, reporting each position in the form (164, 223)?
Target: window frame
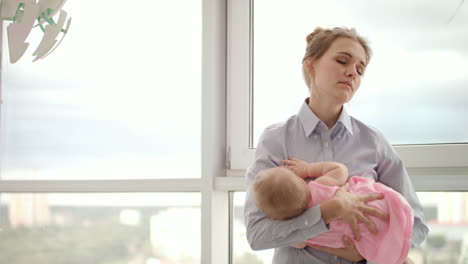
(214, 203)
(422, 161)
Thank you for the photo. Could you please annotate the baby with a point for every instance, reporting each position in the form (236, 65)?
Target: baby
(281, 193)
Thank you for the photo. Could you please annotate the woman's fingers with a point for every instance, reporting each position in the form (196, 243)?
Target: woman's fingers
(349, 252)
(322, 248)
(375, 212)
(299, 245)
(289, 162)
(347, 242)
(370, 225)
(371, 197)
(371, 210)
(356, 231)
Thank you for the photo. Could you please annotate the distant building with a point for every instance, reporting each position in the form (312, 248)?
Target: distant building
(28, 210)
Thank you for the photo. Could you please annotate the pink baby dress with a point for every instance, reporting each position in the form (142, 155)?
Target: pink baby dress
(390, 245)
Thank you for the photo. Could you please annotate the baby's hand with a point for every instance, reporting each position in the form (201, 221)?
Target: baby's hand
(299, 167)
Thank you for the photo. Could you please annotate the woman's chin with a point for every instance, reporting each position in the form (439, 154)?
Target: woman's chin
(343, 99)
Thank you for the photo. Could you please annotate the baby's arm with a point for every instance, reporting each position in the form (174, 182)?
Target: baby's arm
(327, 173)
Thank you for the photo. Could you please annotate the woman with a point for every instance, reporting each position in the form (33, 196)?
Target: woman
(333, 65)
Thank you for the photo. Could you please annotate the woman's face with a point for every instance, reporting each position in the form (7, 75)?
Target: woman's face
(336, 76)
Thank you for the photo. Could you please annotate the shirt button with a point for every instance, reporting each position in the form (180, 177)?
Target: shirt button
(306, 222)
(326, 144)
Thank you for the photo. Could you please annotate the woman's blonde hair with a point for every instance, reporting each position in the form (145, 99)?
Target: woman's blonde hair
(321, 39)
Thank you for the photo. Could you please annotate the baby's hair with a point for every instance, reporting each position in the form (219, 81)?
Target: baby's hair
(321, 39)
(279, 194)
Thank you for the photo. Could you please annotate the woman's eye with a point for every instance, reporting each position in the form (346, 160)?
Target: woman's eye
(341, 61)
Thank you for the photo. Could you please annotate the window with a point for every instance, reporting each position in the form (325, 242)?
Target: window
(242, 253)
(100, 228)
(265, 86)
(273, 88)
(112, 101)
(114, 116)
(404, 90)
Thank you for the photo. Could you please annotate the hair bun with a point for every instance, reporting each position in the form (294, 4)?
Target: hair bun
(313, 34)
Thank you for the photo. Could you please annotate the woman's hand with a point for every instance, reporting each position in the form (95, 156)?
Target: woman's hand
(300, 245)
(352, 209)
(349, 252)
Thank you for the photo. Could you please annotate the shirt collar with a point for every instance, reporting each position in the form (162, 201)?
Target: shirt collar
(345, 119)
(309, 120)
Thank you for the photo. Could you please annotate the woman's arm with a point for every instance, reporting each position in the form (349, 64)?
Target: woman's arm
(391, 172)
(349, 252)
(263, 233)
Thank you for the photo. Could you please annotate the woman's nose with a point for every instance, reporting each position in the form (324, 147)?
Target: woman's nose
(351, 72)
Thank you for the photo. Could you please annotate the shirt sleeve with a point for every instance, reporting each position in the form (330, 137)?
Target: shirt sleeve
(264, 233)
(392, 172)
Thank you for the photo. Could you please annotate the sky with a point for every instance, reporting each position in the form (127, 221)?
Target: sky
(415, 87)
(119, 98)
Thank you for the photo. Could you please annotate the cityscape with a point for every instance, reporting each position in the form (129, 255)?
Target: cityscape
(35, 228)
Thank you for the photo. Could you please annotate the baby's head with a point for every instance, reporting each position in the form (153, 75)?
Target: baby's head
(280, 193)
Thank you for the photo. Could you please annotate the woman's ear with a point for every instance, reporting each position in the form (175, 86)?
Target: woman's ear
(309, 65)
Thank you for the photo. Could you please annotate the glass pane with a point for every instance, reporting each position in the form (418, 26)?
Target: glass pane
(446, 215)
(119, 98)
(415, 87)
(242, 253)
(447, 218)
(100, 228)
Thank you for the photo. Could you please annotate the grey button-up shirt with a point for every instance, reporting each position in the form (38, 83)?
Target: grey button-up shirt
(365, 152)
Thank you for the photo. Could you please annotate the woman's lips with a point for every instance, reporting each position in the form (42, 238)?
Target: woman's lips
(347, 84)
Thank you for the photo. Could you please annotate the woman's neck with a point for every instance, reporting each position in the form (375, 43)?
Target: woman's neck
(328, 113)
